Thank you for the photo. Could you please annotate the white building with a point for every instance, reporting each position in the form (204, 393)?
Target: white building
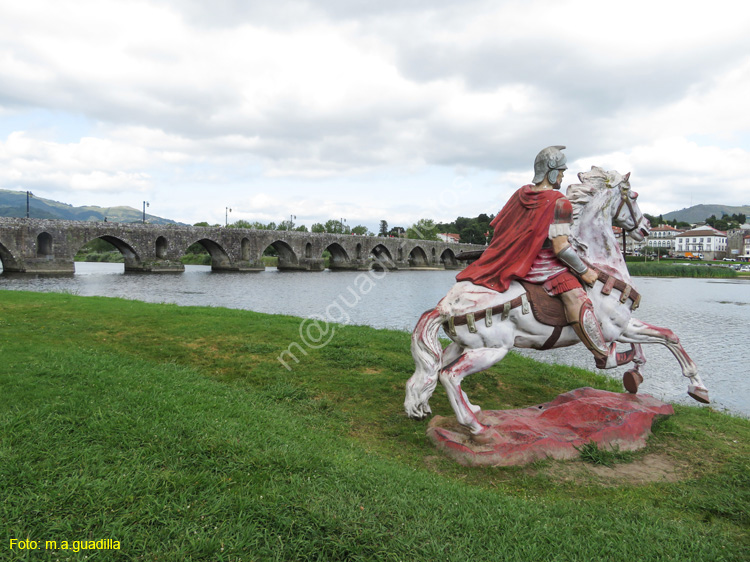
(706, 240)
(663, 237)
(449, 237)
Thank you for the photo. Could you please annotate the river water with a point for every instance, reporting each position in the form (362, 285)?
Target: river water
(710, 316)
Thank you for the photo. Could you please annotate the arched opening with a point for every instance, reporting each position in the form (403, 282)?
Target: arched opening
(207, 252)
(7, 262)
(418, 258)
(44, 245)
(161, 248)
(308, 250)
(448, 259)
(246, 248)
(280, 255)
(381, 258)
(400, 253)
(337, 257)
(434, 253)
(359, 251)
(109, 249)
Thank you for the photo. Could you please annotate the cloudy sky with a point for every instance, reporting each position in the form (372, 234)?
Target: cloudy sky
(365, 110)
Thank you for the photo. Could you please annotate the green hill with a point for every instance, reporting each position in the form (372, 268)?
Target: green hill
(13, 204)
(699, 213)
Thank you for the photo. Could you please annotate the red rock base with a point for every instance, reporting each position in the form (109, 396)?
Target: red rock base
(552, 430)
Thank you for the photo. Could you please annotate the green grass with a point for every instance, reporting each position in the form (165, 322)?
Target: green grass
(176, 431)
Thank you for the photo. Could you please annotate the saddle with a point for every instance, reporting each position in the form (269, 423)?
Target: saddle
(547, 309)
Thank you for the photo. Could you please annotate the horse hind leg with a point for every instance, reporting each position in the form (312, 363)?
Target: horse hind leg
(450, 354)
(469, 362)
(638, 332)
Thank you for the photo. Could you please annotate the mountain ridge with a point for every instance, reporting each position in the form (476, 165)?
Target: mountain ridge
(13, 204)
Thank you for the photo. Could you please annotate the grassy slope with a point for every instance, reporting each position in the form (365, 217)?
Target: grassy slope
(177, 432)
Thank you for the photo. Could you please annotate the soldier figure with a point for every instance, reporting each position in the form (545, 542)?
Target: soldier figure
(530, 243)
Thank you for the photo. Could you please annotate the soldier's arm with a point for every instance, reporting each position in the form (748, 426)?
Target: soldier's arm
(558, 234)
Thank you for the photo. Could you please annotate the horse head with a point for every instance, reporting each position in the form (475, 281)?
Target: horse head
(628, 215)
(608, 194)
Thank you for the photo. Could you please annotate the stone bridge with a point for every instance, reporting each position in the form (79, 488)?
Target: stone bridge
(49, 246)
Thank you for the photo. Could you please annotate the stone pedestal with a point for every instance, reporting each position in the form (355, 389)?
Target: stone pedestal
(551, 430)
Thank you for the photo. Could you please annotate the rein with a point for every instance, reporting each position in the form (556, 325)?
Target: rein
(625, 200)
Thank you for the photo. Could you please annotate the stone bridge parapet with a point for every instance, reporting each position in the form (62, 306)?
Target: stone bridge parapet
(49, 246)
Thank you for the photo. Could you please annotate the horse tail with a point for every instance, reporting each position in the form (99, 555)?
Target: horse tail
(427, 353)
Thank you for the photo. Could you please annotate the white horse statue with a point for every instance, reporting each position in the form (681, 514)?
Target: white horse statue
(485, 324)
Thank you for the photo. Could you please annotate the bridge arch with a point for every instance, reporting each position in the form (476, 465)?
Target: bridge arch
(382, 258)
(219, 257)
(339, 257)
(287, 257)
(132, 260)
(44, 247)
(418, 257)
(7, 261)
(308, 250)
(448, 259)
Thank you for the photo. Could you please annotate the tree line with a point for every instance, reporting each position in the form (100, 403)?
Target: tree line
(726, 222)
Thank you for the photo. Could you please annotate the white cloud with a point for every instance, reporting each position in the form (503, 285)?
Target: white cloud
(363, 109)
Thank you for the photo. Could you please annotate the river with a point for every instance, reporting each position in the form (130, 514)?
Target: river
(710, 316)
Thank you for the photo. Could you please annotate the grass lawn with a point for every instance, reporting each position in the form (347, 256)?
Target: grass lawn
(176, 432)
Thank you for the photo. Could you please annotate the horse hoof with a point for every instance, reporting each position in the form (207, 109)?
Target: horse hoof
(698, 393)
(487, 437)
(631, 380)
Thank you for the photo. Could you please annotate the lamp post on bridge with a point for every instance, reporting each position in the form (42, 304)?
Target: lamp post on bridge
(145, 204)
(342, 225)
(292, 218)
(28, 196)
(227, 210)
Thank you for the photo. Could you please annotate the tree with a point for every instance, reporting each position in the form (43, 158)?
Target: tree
(246, 224)
(397, 231)
(317, 227)
(337, 227)
(361, 230)
(424, 229)
(202, 223)
(383, 228)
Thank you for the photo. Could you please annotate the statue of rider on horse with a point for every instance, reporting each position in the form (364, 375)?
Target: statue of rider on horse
(531, 243)
(553, 276)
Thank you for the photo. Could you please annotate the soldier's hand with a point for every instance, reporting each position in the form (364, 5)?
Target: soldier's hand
(589, 277)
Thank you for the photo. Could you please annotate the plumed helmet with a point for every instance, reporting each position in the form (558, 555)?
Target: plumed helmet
(549, 161)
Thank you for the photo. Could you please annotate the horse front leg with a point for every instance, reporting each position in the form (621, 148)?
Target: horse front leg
(470, 362)
(639, 332)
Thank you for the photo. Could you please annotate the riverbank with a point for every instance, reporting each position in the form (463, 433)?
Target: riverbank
(681, 269)
(177, 432)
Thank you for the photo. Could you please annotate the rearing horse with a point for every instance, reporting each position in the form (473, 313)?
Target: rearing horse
(485, 324)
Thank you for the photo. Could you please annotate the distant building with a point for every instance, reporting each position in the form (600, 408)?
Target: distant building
(631, 246)
(736, 239)
(663, 237)
(706, 240)
(449, 237)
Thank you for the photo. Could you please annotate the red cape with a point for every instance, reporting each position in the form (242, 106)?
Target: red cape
(520, 230)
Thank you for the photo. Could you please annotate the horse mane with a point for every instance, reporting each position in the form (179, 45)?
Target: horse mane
(592, 182)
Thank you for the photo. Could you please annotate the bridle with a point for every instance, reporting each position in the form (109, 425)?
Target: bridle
(627, 200)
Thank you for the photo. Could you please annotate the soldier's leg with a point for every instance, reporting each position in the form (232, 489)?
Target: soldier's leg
(580, 313)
